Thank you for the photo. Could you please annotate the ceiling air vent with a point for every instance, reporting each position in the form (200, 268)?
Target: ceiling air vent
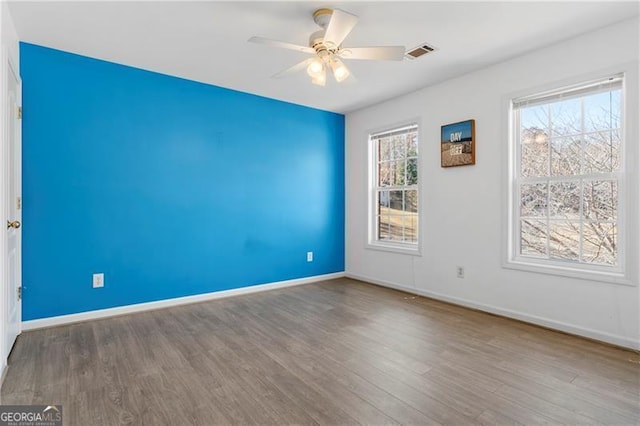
(416, 52)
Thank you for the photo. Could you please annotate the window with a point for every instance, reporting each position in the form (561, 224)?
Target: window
(568, 177)
(394, 162)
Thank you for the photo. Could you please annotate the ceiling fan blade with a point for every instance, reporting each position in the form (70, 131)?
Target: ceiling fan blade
(380, 53)
(282, 44)
(291, 70)
(339, 27)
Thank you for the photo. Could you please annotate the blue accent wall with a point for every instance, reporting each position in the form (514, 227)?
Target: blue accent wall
(168, 186)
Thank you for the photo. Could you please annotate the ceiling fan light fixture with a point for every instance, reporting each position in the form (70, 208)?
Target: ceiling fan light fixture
(320, 79)
(340, 71)
(315, 68)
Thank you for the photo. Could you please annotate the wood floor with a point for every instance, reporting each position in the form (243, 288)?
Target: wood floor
(336, 352)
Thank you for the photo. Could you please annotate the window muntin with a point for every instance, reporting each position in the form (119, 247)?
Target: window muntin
(568, 175)
(395, 187)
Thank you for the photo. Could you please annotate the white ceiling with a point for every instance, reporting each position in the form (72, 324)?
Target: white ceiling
(207, 41)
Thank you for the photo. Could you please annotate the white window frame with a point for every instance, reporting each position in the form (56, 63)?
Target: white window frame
(372, 241)
(624, 273)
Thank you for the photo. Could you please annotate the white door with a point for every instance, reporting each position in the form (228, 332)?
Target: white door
(14, 207)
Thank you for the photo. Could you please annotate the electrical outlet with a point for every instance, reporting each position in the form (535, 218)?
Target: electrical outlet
(460, 271)
(309, 256)
(98, 280)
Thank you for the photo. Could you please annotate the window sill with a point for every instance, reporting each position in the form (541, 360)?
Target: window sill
(395, 248)
(610, 277)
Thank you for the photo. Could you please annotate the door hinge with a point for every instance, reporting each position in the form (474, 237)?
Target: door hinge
(20, 293)
(19, 203)
(19, 113)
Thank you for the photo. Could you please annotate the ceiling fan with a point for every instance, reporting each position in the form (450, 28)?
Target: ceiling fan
(326, 47)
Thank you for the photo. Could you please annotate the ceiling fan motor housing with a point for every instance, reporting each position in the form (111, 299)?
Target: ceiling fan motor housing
(316, 40)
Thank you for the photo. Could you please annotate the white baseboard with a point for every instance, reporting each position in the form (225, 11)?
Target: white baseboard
(141, 307)
(533, 319)
(3, 373)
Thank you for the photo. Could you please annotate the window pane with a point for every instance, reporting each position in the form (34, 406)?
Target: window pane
(533, 200)
(406, 224)
(411, 201)
(402, 140)
(564, 199)
(384, 178)
(602, 111)
(533, 238)
(412, 145)
(601, 200)
(383, 202)
(599, 243)
(616, 109)
(412, 171)
(395, 201)
(564, 240)
(602, 152)
(398, 148)
(535, 159)
(399, 168)
(396, 226)
(383, 228)
(565, 156)
(411, 228)
(393, 171)
(384, 152)
(534, 121)
(566, 117)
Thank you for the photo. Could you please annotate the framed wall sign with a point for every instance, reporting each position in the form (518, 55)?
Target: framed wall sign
(458, 144)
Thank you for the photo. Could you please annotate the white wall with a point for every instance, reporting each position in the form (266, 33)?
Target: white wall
(462, 208)
(8, 48)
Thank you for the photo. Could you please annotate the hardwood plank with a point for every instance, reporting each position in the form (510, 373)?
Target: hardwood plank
(552, 410)
(490, 417)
